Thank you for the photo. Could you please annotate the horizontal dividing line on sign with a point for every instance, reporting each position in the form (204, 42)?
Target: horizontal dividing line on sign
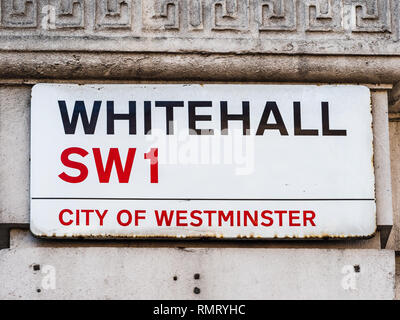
(197, 199)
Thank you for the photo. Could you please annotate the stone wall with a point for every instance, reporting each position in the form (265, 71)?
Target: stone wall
(350, 27)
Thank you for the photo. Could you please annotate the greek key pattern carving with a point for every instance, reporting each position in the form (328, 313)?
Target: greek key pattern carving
(276, 15)
(322, 15)
(67, 13)
(161, 14)
(229, 14)
(19, 13)
(113, 14)
(202, 16)
(371, 15)
(172, 14)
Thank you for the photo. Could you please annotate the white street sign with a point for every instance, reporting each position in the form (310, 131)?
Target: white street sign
(231, 161)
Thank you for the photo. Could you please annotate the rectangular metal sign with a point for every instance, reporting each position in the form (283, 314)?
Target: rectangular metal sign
(225, 161)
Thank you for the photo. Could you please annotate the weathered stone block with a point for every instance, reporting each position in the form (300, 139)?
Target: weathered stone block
(117, 272)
